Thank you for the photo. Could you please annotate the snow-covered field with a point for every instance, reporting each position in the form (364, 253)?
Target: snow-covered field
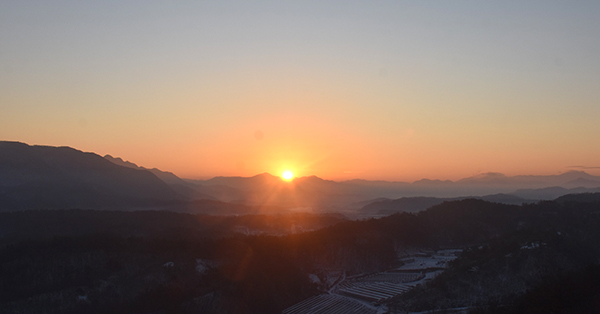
(330, 304)
(364, 294)
(424, 261)
(372, 291)
(393, 277)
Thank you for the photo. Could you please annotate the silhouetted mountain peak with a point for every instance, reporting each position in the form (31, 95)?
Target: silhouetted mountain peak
(575, 174)
(488, 177)
(314, 180)
(433, 182)
(264, 176)
(167, 177)
(119, 161)
(63, 177)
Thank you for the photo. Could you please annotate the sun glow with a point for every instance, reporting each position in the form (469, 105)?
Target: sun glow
(287, 175)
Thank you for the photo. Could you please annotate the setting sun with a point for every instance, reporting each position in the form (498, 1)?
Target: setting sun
(287, 175)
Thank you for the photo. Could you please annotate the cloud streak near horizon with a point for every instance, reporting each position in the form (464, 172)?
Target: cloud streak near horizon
(585, 167)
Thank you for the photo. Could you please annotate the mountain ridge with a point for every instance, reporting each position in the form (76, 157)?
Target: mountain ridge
(59, 177)
(75, 175)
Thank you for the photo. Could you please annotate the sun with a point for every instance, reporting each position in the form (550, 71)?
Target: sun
(287, 175)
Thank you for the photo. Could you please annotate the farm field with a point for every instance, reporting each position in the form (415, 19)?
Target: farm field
(365, 294)
(424, 261)
(330, 304)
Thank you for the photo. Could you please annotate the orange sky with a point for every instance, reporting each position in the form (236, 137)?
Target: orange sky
(388, 90)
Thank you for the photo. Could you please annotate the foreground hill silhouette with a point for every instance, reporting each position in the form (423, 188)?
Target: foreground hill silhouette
(61, 177)
(187, 189)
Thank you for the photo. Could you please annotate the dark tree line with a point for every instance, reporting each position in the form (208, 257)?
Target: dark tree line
(156, 262)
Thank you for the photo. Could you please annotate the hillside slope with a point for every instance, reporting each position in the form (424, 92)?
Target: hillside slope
(63, 177)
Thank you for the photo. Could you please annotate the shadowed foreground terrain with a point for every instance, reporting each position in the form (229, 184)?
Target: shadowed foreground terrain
(514, 258)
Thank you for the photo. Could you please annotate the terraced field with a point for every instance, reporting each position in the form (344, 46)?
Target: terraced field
(365, 295)
(329, 304)
(373, 291)
(393, 277)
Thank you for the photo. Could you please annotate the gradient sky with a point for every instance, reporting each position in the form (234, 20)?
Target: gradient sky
(395, 90)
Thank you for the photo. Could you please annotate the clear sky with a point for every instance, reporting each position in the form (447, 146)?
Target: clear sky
(395, 90)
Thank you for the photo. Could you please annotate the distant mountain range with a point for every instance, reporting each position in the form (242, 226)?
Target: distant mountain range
(415, 204)
(63, 177)
(484, 184)
(383, 197)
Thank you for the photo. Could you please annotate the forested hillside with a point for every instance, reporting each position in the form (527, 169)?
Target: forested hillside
(156, 262)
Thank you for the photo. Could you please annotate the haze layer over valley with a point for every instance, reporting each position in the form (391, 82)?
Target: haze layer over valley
(143, 240)
(62, 177)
